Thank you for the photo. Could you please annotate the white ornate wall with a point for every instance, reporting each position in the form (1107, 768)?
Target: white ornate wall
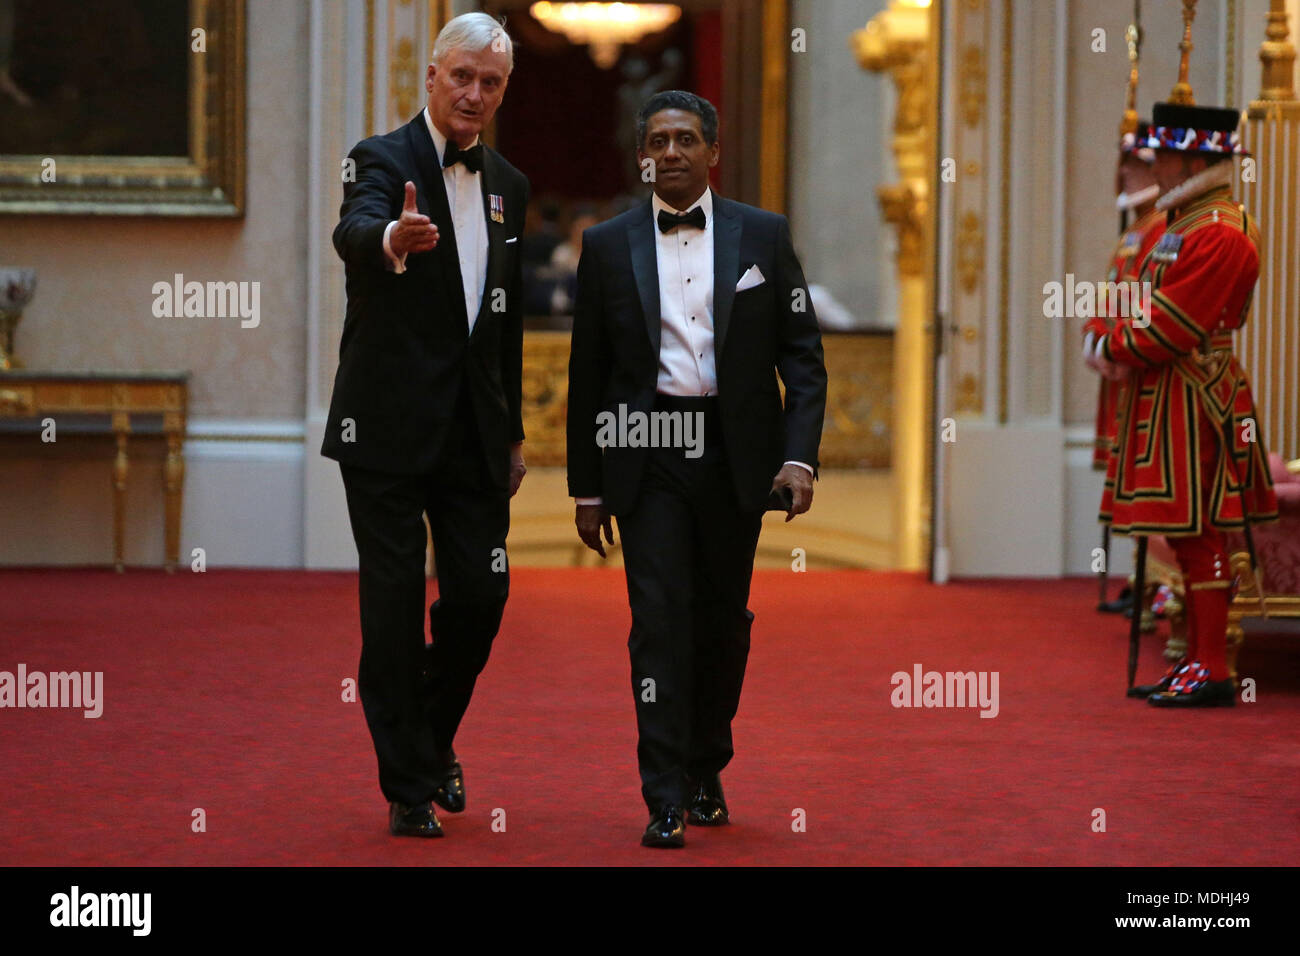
(1019, 495)
(93, 309)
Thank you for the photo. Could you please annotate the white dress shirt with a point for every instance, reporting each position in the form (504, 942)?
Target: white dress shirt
(684, 255)
(469, 225)
(685, 259)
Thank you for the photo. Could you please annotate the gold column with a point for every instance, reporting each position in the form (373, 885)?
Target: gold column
(901, 41)
(1270, 341)
(776, 96)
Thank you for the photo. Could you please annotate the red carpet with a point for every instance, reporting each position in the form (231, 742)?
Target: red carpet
(222, 692)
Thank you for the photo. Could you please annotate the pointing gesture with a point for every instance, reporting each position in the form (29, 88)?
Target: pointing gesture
(413, 232)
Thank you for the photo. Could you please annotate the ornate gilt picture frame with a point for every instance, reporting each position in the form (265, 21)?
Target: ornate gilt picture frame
(184, 155)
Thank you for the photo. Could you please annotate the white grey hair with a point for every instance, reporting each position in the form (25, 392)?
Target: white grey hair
(473, 31)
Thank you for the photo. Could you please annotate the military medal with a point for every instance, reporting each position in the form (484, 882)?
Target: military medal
(1132, 243)
(496, 207)
(1166, 249)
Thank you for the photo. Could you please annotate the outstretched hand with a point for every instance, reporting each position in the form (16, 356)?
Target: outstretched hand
(413, 232)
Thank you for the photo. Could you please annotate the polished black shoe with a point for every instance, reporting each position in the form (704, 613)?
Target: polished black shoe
(667, 829)
(708, 808)
(1146, 690)
(416, 821)
(450, 794)
(1212, 693)
(1123, 604)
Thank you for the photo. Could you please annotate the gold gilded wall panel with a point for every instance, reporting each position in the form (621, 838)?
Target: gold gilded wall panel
(546, 396)
(859, 401)
(859, 405)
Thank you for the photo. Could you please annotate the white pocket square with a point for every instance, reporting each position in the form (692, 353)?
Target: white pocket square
(751, 278)
(515, 239)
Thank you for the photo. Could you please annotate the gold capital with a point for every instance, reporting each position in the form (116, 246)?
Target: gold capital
(1277, 54)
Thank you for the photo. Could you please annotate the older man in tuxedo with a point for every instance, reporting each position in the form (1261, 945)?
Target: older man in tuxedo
(689, 305)
(425, 418)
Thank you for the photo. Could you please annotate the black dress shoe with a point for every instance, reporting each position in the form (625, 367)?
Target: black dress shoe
(667, 828)
(1212, 693)
(416, 821)
(1146, 690)
(708, 808)
(450, 794)
(1120, 605)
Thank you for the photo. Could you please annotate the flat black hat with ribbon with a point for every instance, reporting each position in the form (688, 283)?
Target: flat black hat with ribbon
(1194, 129)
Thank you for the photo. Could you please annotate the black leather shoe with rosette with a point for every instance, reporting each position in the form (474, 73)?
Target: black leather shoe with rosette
(1192, 688)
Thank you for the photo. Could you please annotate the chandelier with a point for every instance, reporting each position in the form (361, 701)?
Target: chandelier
(605, 27)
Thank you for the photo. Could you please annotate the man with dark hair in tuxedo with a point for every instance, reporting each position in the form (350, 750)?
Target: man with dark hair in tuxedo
(426, 413)
(687, 308)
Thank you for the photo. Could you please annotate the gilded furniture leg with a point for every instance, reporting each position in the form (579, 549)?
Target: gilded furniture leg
(121, 429)
(1148, 595)
(174, 485)
(1244, 604)
(1176, 612)
(1235, 638)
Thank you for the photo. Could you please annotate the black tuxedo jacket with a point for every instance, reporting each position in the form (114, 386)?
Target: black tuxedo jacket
(758, 333)
(406, 347)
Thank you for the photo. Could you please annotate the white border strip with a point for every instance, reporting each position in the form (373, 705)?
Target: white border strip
(246, 440)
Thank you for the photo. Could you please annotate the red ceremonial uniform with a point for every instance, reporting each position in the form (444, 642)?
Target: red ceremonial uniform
(1169, 474)
(1188, 459)
(1125, 266)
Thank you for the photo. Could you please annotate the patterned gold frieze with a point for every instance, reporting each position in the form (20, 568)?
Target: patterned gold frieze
(404, 79)
(971, 78)
(970, 251)
(968, 395)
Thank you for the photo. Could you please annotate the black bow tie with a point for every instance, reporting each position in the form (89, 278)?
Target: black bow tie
(668, 221)
(472, 157)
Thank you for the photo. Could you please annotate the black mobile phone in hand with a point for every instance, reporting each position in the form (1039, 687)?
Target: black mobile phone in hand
(781, 499)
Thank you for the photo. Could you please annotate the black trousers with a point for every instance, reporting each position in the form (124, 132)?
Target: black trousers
(414, 695)
(688, 551)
